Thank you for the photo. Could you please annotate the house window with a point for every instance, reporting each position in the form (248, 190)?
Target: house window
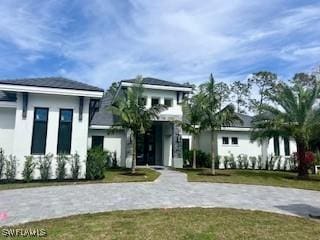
(65, 131)
(225, 140)
(154, 101)
(276, 146)
(234, 141)
(39, 134)
(97, 142)
(143, 101)
(168, 102)
(286, 146)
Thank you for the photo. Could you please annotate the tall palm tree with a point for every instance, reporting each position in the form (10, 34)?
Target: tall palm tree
(191, 122)
(292, 113)
(133, 115)
(214, 115)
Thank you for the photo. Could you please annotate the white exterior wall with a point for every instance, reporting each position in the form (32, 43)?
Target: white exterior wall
(7, 124)
(115, 142)
(24, 127)
(174, 111)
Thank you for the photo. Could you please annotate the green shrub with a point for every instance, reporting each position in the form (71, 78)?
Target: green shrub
(2, 162)
(75, 166)
(226, 160)
(259, 162)
(96, 161)
(11, 168)
(253, 161)
(203, 159)
(61, 171)
(240, 161)
(245, 161)
(29, 166)
(114, 159)
(44, 166)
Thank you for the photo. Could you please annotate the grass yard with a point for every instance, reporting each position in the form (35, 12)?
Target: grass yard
(111, 176)
(255, 177)
(192, 223)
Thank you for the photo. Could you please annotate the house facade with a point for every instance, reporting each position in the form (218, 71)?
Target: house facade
(57, 115)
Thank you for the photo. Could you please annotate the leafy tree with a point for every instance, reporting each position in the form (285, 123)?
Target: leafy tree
(241, 92)
(306, 80)
(192, 116)
(293, 113)
(112, 90)
(265, 83)
(223, 92)
(133, 115)
(214, 116)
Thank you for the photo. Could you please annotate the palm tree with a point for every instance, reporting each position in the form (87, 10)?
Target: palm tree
(133, 115)
(191, 122)
(293, 113)
(214, 115)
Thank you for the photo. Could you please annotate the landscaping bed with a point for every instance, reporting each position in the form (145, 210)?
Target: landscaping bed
(116, 175)
(191, 223)
(255, 177)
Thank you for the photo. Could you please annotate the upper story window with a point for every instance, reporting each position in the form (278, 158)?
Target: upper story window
(234, 141)
(168, 102)
(225, 140)
(65, 131)
(39, 134)
(154, 101)
(143, 101)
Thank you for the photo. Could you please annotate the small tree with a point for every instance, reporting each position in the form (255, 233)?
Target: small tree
(44, 166)
(11, 168)
(2, 162)
(61, 171)
(75, 166)
(28, 169)
(133, 115)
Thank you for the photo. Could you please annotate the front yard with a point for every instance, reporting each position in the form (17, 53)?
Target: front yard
(255, 177)
(116, 175)
(192, 223)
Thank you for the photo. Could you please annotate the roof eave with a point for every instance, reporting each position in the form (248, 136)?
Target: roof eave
(159, 87)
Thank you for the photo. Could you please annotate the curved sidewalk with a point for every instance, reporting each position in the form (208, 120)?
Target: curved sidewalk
(170, 190)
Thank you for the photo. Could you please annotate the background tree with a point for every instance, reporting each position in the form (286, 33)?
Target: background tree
(214, 115)
(264, 82)
(133, 115)
(293, 113)
(241, 92)
(112, 90)
(305, 80)
(223, 92)
(192, 117)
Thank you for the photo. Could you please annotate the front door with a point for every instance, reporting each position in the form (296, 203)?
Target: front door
(146, 148)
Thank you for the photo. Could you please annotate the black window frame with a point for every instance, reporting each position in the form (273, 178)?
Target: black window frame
(143, 101)
(59, 151)
(286, 143)
(33, 149)
(276, 146)
(155, 98)
(234, 138)
(168, 99)
(97, 146)
(223, 138)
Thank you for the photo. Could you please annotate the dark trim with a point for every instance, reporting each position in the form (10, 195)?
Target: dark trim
(81, 99)
(60, 110)
(32, 140)
(25, 98)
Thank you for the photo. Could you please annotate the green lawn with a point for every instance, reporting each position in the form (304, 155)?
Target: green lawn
(111, 176)
(256, 177)
(192, 223)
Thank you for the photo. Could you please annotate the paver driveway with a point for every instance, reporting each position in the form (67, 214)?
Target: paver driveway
(170, 190)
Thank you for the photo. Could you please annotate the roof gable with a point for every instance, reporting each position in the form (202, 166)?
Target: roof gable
(158, 82)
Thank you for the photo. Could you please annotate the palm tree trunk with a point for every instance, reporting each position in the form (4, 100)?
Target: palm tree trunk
(134, 153)
(213, 171)
(301, 154)
(194, 162)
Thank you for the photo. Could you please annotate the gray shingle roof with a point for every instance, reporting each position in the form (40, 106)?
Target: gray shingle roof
(159, 82)
(8, 96)
(104, 117)
(246, 121)
(52, 82)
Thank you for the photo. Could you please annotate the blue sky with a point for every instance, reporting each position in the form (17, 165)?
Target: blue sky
(99, 42)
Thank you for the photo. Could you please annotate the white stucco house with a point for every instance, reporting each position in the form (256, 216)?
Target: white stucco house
(53, 115)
